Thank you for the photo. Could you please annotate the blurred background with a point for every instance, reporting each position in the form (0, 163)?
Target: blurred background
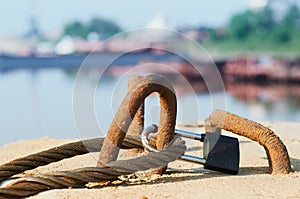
(254, 43)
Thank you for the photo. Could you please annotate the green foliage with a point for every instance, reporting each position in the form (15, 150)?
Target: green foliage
(292, 17)
(242, 25)
(104, 28)
(247, 24)
(76, 29)
(259, 31)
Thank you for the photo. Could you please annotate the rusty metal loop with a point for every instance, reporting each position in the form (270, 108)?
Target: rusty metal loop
(137, 124)
(128, 108)
(278, 157)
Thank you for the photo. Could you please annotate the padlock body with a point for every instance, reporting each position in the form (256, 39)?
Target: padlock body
(221, 153)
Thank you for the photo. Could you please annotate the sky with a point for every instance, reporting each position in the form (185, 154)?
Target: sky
(130, 14)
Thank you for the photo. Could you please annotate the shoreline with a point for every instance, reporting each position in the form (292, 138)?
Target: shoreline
(183, 180)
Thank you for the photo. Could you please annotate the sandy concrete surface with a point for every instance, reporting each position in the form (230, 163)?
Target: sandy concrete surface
(183, 180)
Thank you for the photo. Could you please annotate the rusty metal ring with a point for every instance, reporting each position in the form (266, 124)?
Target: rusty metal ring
(278, 157)
(128, 108)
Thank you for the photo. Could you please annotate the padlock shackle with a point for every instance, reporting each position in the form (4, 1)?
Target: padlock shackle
(153, 129)
(144, 137)
(193, 159)
(190, 135)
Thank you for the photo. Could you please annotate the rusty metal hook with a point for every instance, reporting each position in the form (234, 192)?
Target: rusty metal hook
(128, 108)
(279, 161)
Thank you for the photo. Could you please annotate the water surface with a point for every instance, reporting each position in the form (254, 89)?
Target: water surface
(36, 104)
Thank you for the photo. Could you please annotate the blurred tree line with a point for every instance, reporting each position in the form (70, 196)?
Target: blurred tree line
(260, 29)
(249, 30)
(103, 27)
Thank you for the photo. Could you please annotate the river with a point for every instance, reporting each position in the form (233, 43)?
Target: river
(38, 103)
